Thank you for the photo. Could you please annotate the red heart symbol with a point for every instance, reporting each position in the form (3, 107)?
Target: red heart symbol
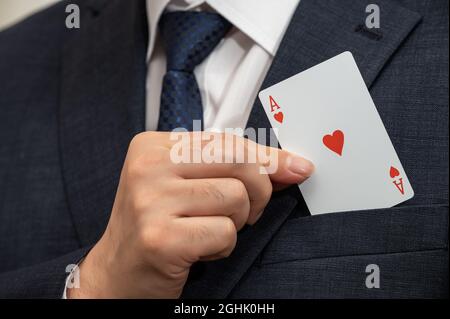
(394, 172)
(335, 142)
(279, 117)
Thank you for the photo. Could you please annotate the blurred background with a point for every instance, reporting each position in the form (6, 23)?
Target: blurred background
(12, 11)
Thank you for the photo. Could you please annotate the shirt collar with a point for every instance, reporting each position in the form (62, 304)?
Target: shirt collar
(264, 21)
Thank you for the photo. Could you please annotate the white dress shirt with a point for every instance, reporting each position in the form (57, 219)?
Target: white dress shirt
(230, 77)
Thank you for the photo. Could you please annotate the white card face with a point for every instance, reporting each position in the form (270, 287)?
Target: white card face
(327, 115)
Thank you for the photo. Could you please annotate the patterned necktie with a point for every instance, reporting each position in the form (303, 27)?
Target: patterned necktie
(189, 37)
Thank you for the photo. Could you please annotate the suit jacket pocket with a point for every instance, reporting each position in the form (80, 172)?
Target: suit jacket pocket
(379, 231)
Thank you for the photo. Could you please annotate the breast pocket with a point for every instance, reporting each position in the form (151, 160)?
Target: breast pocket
(383, 253)
(392, 230)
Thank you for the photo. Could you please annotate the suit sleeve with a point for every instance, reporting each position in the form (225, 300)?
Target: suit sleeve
(45, 280)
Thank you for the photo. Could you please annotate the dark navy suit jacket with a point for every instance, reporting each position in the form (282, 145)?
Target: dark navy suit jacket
(71, 100)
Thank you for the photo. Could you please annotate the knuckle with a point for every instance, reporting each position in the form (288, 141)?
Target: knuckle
(138, 139)
(145, 137)
(140, 202)
(229, 238)
(143, 164)
(229, 232)
(199, 233)
(238, 192)
(136, 168)
(153, 239)
(155, 156)
(209, 190)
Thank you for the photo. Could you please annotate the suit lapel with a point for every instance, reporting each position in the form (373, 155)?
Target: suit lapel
(102, 106)
(322, 29)
(319, 30)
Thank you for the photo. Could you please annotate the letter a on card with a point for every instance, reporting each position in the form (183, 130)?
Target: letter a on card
(273, 104)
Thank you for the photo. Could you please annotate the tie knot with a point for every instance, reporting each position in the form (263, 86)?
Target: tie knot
(189, 37)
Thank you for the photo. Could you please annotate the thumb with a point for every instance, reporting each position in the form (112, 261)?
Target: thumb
(289, 169)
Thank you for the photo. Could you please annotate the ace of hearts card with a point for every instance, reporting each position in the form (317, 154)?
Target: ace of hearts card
(326, 114)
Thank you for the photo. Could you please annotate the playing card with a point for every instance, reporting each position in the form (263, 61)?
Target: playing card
(327, 115)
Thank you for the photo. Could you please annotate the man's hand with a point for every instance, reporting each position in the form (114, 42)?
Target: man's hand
(168, 216)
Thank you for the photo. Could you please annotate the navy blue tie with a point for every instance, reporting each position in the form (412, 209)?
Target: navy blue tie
(189, 37)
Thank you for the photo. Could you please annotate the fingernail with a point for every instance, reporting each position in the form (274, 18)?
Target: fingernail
(299, 165)
(256, 218)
